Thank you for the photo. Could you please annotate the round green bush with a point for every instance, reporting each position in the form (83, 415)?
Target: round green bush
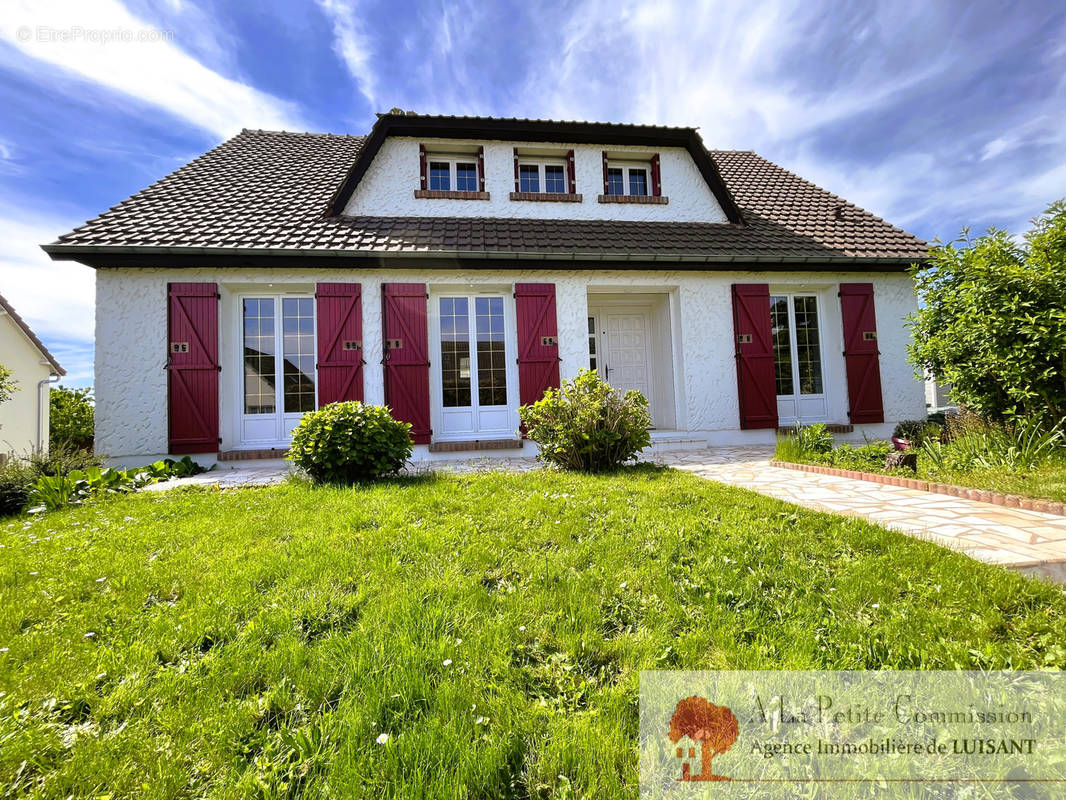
(587, 425)
(349, 442)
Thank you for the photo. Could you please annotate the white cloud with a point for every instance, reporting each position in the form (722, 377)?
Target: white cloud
(55, 297)
(352, 45)
(100, 41)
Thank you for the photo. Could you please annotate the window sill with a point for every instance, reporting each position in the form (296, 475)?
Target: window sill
(547, 197)
(634, 199)
(437, 194)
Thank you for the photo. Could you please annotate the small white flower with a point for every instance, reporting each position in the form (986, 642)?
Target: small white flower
(447, 662)
(382, 739)
(623, 584)
(480, 721)
(101, 580)
(129, 519)
(89, 635)
(458, 642)
(3, 649)
(395, 695)
(33, 573)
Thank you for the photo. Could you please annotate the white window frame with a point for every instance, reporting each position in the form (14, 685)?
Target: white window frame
(797, 396)
(540, 164)
(453, 172)
(627, 167)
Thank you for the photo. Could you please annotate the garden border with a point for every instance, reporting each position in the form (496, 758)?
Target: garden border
(963, 492)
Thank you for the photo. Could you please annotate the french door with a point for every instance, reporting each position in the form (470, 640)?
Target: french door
(798, 369)
(277, 366)
(475, 388)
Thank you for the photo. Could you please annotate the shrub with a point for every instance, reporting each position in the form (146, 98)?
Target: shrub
(869, 457)
(814, 439)
(60, 460)
(15, 482)
(8, 385)
(992, 319)
(587, 425)
(349, 442)
(50, 492)
(916, 431)
(1018, 446)
(70, 417)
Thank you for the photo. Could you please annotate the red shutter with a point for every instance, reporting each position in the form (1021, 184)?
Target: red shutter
(860, 353)
(605, 172)
(481, 169)
(406, 349)
(192, 367)
(340, 342)
(571, 172)
(538, 340)
(423, 169)
(516, 181)
(756, 384)
(656, 179)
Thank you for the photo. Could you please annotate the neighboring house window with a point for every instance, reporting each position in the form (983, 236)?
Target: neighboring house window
(461, 174)
(545, 177)
(797, 345)
(627, 179)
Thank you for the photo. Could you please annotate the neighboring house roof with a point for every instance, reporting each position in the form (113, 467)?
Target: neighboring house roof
(266, 193)
(20, 322)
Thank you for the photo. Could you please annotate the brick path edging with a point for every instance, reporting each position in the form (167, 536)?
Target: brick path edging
(979, 495)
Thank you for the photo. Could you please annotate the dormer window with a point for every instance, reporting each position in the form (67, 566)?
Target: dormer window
(629, 179)
(544, 174)
(452, 176)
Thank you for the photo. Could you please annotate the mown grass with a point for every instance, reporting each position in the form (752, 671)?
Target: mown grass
(258, 642)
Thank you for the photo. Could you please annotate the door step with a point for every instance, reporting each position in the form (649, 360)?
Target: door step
(252, 455)
(476, 444)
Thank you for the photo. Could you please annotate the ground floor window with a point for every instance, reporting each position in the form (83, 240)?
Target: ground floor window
(797, 343)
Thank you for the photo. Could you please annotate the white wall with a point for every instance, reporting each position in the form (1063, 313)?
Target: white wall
(131, 401)
(18, 416)
(387, 189)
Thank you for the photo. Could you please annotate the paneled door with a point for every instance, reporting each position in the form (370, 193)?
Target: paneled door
(626, 358)
(798, 369)
(277, 366)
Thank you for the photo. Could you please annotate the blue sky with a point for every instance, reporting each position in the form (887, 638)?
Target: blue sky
(932, 115)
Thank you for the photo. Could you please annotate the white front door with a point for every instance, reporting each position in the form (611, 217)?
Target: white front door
(626, 359)
(277, 367)
(475, 388)
(796, 327)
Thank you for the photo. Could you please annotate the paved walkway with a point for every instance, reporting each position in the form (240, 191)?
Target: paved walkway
(1029, 541)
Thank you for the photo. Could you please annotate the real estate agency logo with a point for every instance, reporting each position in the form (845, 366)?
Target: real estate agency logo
(713, 728)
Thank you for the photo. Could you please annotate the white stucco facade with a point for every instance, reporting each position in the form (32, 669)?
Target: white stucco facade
(23, 418)
(131, 329)
(388, 187)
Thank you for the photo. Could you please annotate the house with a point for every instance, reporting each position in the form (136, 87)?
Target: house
(24, 418)
(456, 267)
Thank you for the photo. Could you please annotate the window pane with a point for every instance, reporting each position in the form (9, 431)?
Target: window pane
(782, 345)
(638, 181)
(298, 344)
(808, 346)
(491, 362)
(440, 176)
(466, 177)
(554, 179)
(259, 383)
(529, 178)
(455, 351)
(615, 181)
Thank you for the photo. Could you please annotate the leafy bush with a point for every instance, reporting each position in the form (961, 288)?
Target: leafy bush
(587, 425)
(869, 457)
(50, 492)
(15, 482)
(8, 385)
(70, 417)
(1019, 446)
(992, 319)
(349, 442)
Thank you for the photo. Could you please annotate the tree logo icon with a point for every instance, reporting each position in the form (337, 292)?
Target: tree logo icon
(713, 727)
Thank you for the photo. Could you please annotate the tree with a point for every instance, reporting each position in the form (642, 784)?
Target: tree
(714, 727)
(70, 419)
(8, 385)
(992, 320)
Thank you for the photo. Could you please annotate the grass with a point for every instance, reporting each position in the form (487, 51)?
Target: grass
(259, 642)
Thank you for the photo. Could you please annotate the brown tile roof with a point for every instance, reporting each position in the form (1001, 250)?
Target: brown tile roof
(268, 192)
(6, 306)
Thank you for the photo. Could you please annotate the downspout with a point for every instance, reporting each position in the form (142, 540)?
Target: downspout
(52, 378)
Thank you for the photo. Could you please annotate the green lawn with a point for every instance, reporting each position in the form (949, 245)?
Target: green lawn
(204, 643)
(1047, 481)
